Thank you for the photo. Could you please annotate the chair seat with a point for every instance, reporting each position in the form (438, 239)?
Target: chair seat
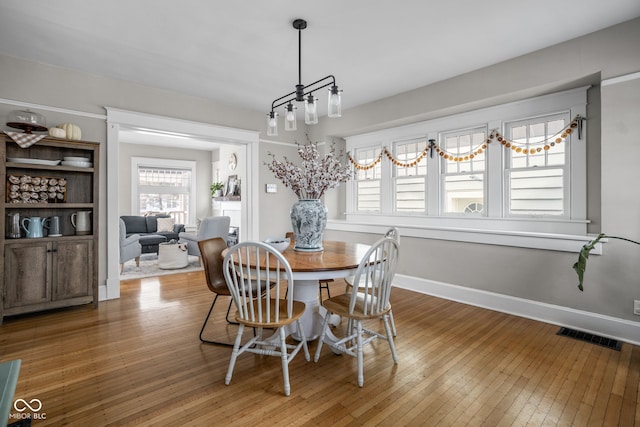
(340, 305)
(298, 310)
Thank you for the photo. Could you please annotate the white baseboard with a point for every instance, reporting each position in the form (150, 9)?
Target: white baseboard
(611, 327)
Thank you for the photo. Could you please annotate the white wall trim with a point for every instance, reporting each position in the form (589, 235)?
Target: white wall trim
(611, 327)
(50, 108)
(620, 79)
(521, 239)
(118, 119)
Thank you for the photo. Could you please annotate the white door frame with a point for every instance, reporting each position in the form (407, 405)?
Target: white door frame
(118, 119)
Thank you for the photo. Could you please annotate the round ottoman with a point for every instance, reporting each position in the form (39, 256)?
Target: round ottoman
(172, 255)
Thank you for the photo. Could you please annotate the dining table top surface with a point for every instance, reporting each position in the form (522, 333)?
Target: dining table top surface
(336, 255)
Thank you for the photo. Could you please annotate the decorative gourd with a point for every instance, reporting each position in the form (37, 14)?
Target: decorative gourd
(72, 131)
(58, 132)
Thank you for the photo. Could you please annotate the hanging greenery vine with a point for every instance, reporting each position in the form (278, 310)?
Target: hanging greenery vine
(518, 147)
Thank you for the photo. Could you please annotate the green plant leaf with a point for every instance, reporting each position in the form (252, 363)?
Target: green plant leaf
(581, 265)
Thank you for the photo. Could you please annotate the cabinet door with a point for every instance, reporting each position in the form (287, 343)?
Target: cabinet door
(26, 274)
(72, 274)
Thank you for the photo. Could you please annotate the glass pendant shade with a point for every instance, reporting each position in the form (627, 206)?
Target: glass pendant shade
(310, 110)
(272, 124)
(290, 122)
(335, 102)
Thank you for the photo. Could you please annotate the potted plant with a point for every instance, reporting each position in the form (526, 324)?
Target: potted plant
(581, 265)
(216, 189)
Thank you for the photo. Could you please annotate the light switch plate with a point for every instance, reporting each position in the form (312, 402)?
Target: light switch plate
(272, 188)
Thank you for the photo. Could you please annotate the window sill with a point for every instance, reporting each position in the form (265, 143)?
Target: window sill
(522, 239)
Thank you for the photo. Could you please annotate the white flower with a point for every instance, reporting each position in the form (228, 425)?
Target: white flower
(315, 176)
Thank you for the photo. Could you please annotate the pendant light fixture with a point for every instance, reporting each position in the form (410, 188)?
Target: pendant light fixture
(304, 93)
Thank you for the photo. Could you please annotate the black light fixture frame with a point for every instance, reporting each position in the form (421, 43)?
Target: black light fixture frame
(302, 90)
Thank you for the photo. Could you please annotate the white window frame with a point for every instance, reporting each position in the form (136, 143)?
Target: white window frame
(136, 162)
(396, 177)
(566, 168)
(444, 174)
(373, 148)
(496, 227)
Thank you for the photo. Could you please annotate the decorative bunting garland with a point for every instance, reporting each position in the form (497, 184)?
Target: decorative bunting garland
(547, 144)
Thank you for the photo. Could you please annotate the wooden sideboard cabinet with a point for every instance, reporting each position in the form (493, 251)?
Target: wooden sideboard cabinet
(53, 271)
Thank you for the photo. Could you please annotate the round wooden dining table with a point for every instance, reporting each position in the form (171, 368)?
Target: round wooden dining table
(336, 260)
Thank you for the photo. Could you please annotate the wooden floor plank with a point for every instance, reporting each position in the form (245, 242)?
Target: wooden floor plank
(138, 361)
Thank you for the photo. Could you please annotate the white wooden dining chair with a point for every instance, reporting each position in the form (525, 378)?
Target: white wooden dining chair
(370, 300)
(393, 233)
(248, 267)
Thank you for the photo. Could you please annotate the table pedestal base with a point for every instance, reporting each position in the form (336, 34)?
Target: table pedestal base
(306, 291)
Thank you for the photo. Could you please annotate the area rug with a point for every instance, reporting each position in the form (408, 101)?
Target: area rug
(149, 267)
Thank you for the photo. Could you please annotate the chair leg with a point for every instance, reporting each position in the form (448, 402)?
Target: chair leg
(392, 345)
(392, 322)
(360, 353)
(234, 355)
(324, 284)
(207, 319)
(285, 361)
(138, 261)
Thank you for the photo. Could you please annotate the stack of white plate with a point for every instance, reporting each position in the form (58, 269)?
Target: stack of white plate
(80, 162)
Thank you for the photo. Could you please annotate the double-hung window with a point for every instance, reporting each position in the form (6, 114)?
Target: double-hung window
(164, 186)
(368, 179)
(537, 170)
(516, 169)
(463, 178)
(410, 176)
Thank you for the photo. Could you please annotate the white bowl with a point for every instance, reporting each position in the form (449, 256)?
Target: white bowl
(278, 244)
(76, 159)
(77, 164)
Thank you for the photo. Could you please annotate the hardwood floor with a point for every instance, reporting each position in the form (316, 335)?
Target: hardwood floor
(138, 361)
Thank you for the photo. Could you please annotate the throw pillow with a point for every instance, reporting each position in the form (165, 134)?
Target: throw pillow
(166, 224)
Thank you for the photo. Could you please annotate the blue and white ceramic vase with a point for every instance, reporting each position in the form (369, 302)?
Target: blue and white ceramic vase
(309, 219)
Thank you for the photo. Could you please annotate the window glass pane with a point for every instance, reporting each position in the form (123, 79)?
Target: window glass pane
(410, 194)
(536, 192)
(463, 183)
(164, 191)
(368, 195)
(462, 192)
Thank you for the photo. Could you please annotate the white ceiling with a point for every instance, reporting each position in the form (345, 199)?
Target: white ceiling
(245, 52)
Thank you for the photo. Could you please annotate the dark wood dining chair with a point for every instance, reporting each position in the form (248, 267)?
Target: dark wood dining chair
(211, 253)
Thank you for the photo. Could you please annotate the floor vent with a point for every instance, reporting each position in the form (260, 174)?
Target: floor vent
(594, 339)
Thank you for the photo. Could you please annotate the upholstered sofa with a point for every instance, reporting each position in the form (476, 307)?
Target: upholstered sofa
(147, 228)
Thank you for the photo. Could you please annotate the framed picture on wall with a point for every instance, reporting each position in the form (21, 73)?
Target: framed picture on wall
(232, 183)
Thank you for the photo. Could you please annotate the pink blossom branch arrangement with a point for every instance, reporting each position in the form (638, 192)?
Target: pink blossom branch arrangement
(315, 175)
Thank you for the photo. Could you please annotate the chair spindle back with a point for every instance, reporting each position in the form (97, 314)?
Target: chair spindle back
(251, 269)
(374, 276)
